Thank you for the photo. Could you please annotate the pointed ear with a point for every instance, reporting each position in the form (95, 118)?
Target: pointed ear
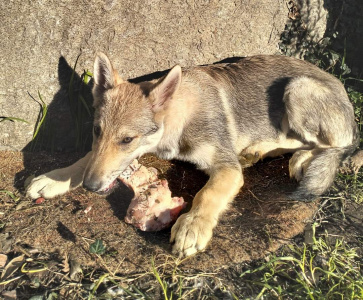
(166, 88)
(105, 76)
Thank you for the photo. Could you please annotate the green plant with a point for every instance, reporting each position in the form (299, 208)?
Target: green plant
(12, 119)
(81, 109)
(41, 116)
(97, 247)
(10, 194)
(40, 124)
(357, 99)
(350, 186)
(163, 284)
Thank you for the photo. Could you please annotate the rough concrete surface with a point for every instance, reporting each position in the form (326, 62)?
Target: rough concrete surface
(40, 41)
(140, 36)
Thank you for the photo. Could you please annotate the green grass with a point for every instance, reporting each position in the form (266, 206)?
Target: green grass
(40, 123)
(349, 186)
(163, 284)
(164, 280)
(322, 270)
(12, 119)
(41, 116)
(12, 195)
(81, 108)
(325, 269)
(357, 99)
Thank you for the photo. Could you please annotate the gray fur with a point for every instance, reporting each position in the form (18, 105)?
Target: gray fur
(321, 173)
(261, 92)
(258, 104)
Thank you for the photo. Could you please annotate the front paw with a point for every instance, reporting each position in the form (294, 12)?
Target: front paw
(46, 187)
(191, 233)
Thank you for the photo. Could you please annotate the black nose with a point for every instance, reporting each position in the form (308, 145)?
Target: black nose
(91, 186)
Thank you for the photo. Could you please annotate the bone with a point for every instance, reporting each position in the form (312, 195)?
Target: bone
(152, 208)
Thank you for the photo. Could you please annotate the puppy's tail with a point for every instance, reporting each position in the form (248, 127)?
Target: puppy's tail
(321, 172)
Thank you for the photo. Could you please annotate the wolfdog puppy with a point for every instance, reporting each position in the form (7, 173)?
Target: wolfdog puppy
(222, 118)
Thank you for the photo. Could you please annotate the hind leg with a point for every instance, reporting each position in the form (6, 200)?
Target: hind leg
(262, 149)
(320, 112)
(248, 159)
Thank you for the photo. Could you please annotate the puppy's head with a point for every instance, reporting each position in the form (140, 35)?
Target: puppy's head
(128, 121)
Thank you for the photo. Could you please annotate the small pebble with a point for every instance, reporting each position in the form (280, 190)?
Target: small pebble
(40, 200)
(87, 210)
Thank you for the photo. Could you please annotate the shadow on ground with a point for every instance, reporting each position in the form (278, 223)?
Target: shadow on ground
(259, 221)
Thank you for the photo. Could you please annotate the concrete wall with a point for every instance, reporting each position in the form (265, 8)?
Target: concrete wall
(40, 41)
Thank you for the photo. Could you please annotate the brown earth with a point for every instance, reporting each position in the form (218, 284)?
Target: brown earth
(259, 221)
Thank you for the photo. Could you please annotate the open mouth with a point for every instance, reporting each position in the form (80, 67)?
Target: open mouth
(123, 178)
(109, 188)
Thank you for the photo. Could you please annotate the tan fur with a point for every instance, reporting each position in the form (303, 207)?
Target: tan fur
(193, 230)
(177, 115)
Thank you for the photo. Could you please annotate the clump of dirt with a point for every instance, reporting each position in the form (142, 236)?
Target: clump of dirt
(259, 221)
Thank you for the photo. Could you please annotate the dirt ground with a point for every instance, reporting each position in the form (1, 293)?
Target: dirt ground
(260, 220)
(59, 231)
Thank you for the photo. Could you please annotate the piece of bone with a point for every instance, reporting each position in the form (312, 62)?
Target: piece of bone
(137, 175)
(152, 208)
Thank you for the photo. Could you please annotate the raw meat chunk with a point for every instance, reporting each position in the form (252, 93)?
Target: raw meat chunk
(152, 208)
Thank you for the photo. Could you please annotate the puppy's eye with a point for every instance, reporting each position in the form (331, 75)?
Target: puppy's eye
(97, 130)
(127, 140)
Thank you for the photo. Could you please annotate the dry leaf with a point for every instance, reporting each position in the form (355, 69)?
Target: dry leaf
(3, 260)
(12, 267)
(22, 204)
(9, 295)
(65, 264)
(75, 269)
